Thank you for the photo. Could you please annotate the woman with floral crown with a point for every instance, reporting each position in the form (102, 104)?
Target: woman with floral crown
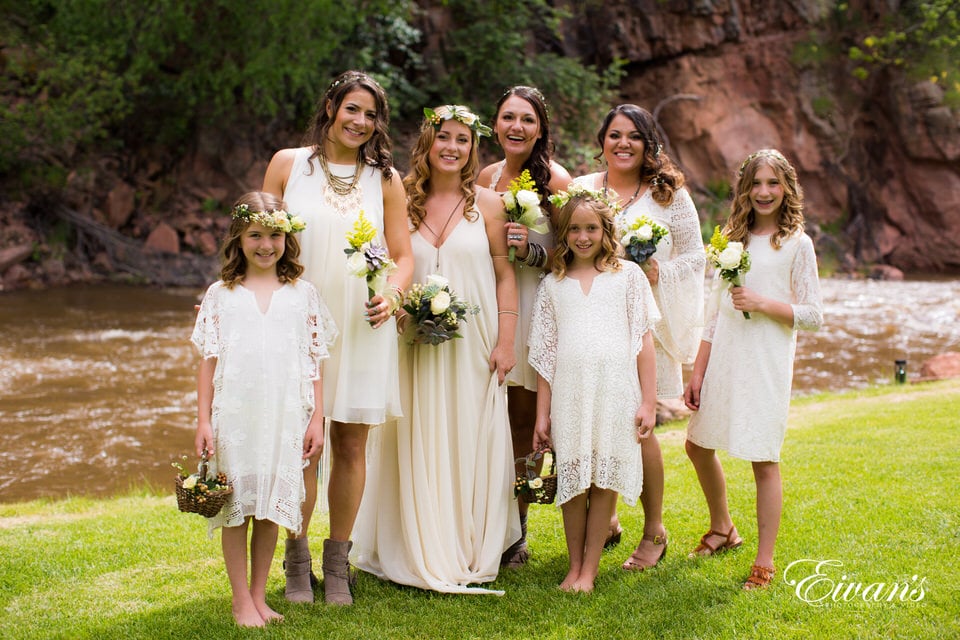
(649, 184)
(522, 129)
(345, 169)
(437, 513)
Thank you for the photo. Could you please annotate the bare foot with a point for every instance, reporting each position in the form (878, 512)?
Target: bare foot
(268, 614)
(569, 581)
(246, 615)
(583, 586)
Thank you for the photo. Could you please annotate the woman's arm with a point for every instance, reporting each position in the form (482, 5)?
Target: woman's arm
(397, 237)
(691, 394)
(646, 416)
(503, 358)
(278, 172)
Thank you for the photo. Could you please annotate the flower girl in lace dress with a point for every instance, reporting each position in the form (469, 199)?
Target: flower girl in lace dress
(591, 344)
(262, 334)
(741, 379)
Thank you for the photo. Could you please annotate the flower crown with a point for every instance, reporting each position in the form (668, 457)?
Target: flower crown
(459, 113)
(533, 90)
(276, 219)
(763, 153)
(608, 197)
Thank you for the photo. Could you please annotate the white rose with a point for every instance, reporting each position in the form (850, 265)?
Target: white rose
(440, 303)
(509, 201)
(438, 280)
(357, 264)
(536, 483)
(190, 482)
(528, 199)
(729, 258)
(645, 232)
(627, 237)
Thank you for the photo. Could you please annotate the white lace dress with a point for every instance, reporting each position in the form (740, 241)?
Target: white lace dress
(263, 394)
(586, 347)
(745, 396)
(360, 383)
(679, 289)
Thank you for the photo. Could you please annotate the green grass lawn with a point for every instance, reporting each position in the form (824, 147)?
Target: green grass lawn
(870, 481)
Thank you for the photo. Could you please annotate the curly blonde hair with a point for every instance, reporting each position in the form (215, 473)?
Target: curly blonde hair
(234, 263)
(417, 182)
(790, 215)
(610, 250)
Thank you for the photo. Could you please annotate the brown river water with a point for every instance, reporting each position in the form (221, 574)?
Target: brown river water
(97, 388)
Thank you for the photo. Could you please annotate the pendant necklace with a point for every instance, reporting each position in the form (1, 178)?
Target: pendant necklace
(632, 198)
(341, 186)
(442, 229)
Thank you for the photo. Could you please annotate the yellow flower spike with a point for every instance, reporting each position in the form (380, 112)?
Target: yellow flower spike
(362, 233)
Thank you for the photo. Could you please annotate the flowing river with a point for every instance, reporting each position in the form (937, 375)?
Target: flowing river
(97, 386)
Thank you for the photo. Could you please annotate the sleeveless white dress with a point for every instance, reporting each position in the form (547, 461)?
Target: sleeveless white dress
(679, 290)
(263, 394)
(438, 510)
(586, 347)
(360, 382)
(745, 395)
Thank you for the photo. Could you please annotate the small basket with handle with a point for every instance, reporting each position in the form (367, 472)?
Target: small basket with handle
(530, 484)
(207, 496)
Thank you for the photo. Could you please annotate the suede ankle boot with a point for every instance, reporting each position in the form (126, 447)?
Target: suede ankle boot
(336, 572)
(296, 566)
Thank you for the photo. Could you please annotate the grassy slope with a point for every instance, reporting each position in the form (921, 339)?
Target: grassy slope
(870, 480)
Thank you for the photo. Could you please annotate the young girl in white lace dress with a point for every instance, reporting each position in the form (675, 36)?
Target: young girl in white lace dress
(592, 347)
(262, 333)
(741, 379)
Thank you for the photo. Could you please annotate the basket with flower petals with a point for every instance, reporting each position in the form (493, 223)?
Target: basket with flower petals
(200, 493)
(530, 484)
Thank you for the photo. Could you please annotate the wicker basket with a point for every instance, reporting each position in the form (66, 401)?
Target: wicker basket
(206, 504)
(546, 493)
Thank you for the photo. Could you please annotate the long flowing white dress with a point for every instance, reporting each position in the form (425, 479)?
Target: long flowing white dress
(438, 509)
(679, 288)
(745, 395)
(263, 394)
(528, 279)
(360, 382)
(586, 347)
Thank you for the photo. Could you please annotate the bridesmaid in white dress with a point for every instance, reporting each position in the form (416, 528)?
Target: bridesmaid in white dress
(649, 184)
(740, 385)
(437, 512)
(522, 129)
(346, 166)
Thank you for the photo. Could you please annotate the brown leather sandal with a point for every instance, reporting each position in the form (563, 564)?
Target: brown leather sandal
(732, 541)
(760, 578)
(633, 564)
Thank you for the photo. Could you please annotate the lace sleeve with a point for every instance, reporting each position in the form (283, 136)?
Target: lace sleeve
(322, 331)
(680, 282)
(542, 342)
(805, 284)
(642, 312)
(206, 330)
(712, 311)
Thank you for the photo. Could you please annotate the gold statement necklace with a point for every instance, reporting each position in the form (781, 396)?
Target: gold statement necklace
(443, 229)
(341, 186)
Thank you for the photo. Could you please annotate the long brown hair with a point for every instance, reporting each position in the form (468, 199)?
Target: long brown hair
(610, 250)
(234, 263)
(375, 151)
(539, 161)
(657, 169)
(790, 215)
(417, 182)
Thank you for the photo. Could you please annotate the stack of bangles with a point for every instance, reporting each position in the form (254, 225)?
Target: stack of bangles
(536, 256)
(393, 297)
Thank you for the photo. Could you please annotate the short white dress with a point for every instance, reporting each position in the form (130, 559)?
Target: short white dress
(586, 345)
(263, 394)
(360, 382)
(745, 395)
(679, 289)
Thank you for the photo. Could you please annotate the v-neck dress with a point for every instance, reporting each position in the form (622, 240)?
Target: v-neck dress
(586, 345)
(263, 394)
(438, 509)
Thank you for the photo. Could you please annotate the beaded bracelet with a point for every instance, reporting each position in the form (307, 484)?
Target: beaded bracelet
(536, 255)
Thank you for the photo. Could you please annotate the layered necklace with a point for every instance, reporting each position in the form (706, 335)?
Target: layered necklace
(443, 229)
(344, 194)
(632, 198)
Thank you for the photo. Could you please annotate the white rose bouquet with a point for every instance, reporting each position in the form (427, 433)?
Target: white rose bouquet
(522, 204)
(435, 311)
(639, 237)
(366, 258)
(730, 258)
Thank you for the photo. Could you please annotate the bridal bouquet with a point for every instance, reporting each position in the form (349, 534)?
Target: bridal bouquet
(730, 258)
(367, 259)
(639, 237)
(435, 310)
(522, 203)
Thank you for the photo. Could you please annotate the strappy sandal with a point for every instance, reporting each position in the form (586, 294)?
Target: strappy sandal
(760, 578)
(633, 564)
(732, 540)
(613, 539)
